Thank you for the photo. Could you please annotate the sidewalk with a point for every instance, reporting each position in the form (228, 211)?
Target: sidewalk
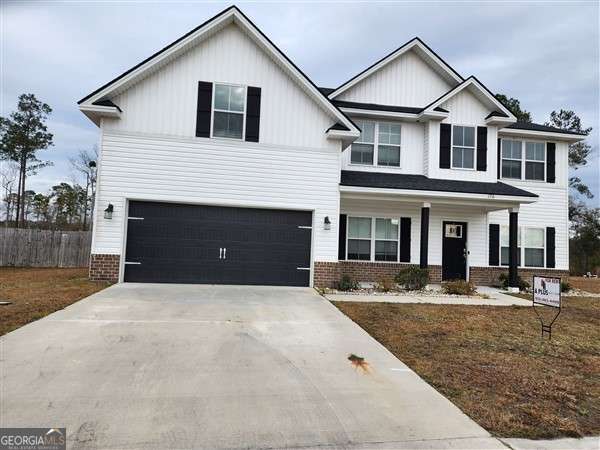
(586, 443)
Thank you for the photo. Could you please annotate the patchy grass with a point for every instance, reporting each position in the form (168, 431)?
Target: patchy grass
(37, 292)
(586, 284)
(491, 362)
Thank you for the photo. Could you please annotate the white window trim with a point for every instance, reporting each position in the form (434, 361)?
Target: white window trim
(524, 160)
(522, 230)
(373, 238)
(243, 113)
(375, 145)
(474, 168)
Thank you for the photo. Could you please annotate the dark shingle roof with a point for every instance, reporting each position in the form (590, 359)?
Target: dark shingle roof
(376, 107)
(496, 114)
(423, 183)
(542, 128)
(338, 126)
(326, 91)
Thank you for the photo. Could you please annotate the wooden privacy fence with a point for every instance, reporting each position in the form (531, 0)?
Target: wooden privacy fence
(44, 248)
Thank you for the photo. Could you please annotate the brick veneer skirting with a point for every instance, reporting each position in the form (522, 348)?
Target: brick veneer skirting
(488, 276)
(104, 267)
(327, 274)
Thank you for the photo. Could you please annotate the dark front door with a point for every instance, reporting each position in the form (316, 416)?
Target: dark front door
(454, 250)
(176, 243)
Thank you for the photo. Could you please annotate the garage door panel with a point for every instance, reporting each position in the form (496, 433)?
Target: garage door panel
(181, 244)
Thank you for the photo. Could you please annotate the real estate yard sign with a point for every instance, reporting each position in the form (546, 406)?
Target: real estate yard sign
(546, 292)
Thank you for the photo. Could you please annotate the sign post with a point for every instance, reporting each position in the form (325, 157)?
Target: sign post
(546, 293)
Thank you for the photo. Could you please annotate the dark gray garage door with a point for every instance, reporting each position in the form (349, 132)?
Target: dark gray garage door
(174, 243)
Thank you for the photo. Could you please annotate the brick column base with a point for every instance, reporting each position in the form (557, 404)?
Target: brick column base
(104, 267)
(327, 274)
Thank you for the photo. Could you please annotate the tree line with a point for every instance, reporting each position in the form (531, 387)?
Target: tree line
(67, 206)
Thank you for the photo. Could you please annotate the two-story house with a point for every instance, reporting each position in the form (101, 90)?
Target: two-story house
(222, 162)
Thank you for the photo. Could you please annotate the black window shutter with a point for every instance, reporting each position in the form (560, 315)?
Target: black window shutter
(550, 247)
(499, 157)
(252, 114)
(405, 239)
(342, 237)
(203, 109)
(551, 162)
(494, 242)
(445, 133)
(482, 149)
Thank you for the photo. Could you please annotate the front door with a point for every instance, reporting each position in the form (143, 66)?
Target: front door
(454, 250)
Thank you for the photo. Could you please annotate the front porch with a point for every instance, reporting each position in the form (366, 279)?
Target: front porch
(382, 230)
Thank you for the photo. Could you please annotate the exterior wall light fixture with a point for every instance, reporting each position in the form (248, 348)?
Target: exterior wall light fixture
(327, 223)
(108, 212)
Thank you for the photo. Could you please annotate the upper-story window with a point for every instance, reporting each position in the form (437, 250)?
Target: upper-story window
(378, 142)
(523, 160)
(229, 106)
(463, 147)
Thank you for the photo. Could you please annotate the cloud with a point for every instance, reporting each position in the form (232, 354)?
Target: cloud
(545, 54)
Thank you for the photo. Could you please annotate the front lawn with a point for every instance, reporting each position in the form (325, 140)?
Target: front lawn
(37, 292)
(491, 362)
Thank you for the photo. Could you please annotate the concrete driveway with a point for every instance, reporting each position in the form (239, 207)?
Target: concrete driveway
(196, 366)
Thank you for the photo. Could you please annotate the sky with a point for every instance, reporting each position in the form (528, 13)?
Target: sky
(545, 53)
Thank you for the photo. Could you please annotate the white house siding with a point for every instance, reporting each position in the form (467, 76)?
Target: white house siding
(406, 81)
(464, 109)
(475, 217)
(411, 151)
(165, 102)
(203, 171)
(551, 209)
(388, 209)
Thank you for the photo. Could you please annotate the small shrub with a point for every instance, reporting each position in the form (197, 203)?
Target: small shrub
(521, 283)
(347, 283)
(458, 287)
(413, 278)
(565, 286)
(385, 284)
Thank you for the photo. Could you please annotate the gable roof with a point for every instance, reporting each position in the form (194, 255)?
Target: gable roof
(421, 49)
(177, 47)
(482, 93)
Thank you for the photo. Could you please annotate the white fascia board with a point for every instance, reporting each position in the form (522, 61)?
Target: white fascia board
(432, 115)
(471, 81)
(441, 195)
(568, 137)
(391, 57)
(96, 112)
(379, 114)
(500, 121)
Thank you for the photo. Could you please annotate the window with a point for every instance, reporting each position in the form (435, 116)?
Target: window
(463, 147)
(523, 160)
(530, 248)
(229, 106)
(535, 161)
(534, 247)
(388, 148)
(359, 238)
(378, 142)
(386, 239)
(364, 147)
(511, 159)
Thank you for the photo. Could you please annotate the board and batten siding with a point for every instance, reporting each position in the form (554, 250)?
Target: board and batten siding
(411, 151)
(165, 102)
(204, 171)
(406, 81)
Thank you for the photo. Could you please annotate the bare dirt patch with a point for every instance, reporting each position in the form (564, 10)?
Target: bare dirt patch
(491, 362)
(37, 292)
